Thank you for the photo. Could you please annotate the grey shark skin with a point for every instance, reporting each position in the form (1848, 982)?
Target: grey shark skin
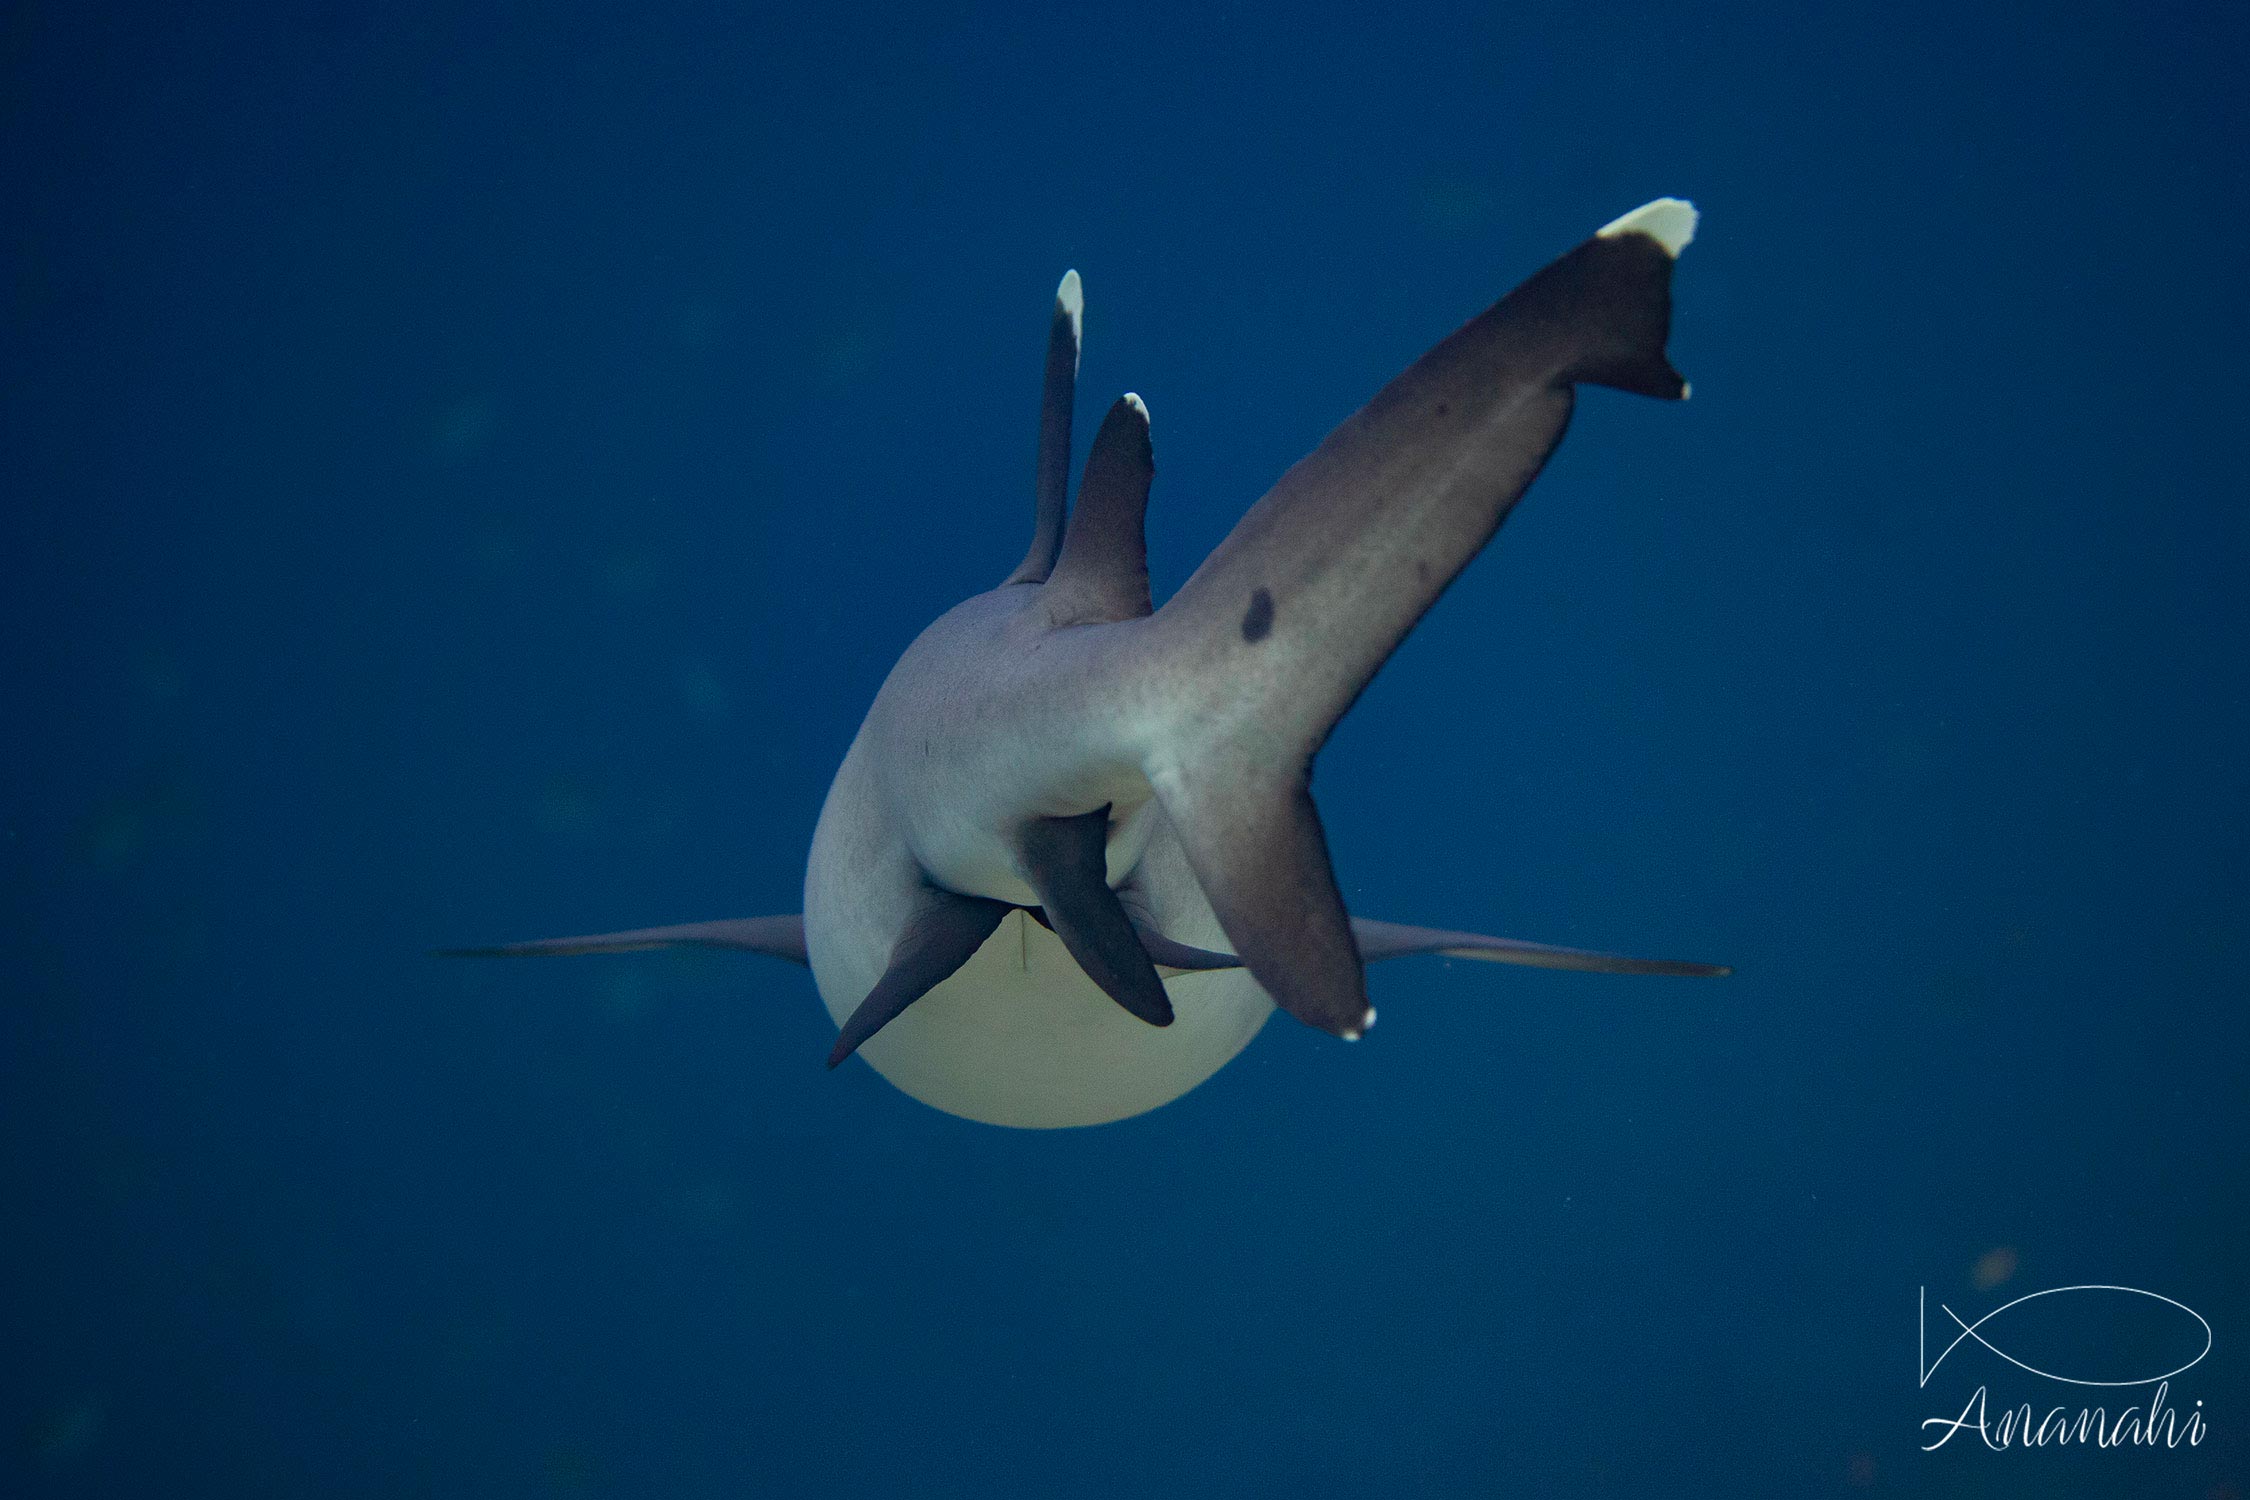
(1071, 863)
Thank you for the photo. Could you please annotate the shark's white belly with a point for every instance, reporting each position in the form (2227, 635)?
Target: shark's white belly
(944, 766)
(1020, 1036)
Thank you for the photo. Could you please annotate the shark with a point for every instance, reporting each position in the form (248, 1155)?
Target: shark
(1071, 864)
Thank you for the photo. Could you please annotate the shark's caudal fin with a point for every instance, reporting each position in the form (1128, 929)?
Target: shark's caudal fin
(1272, 639)
(1051, 488)
(781, 937)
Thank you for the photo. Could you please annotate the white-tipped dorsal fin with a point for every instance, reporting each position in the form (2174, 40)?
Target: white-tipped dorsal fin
(1071, 298)
(1051, 491)
(1102, 572)
(1668, 221)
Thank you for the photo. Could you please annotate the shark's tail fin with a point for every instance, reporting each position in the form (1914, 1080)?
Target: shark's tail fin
(1276, 634)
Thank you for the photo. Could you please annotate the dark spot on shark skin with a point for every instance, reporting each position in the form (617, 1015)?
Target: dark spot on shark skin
(1444, 408)
(1257, 621)
(1422, 569)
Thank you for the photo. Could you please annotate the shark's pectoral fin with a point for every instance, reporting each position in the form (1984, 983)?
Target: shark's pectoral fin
(1380, 940)
(1065, 861)
(1254, 842)
(781, 937)
(942, 934)
(1102, 573)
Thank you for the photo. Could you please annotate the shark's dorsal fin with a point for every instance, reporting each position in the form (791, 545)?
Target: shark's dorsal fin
(1102, 573)
(1051, 487)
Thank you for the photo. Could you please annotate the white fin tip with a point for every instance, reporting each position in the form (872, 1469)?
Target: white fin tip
(1071, 298)
(1668, 221)
(1138, 405)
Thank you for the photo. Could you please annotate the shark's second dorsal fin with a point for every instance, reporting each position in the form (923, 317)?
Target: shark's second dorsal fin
(1051, 490)
(1102, 573)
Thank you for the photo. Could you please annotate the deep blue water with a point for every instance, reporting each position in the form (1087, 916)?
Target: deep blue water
(466, 470)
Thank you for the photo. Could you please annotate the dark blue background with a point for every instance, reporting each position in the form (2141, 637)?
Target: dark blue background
(466, 470)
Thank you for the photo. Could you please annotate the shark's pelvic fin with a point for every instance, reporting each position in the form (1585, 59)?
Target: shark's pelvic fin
(1170, 957)
(1102, 573)
(944, 932)
(1381, 940)
(1051, 488)
(1064, 860)
(1179, 958)
(782, 937)
(1276, 634)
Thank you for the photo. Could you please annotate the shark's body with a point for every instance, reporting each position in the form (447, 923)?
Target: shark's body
(1070, 862)
(1019, 1035)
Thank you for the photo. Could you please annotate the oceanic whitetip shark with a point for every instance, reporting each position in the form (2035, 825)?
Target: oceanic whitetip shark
(1071, 863)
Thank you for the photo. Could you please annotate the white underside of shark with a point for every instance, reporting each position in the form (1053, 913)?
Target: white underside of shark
(1019, 1035)
(1070, 863)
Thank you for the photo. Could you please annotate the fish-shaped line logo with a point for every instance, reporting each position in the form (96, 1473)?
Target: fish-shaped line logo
(1975, 1331)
